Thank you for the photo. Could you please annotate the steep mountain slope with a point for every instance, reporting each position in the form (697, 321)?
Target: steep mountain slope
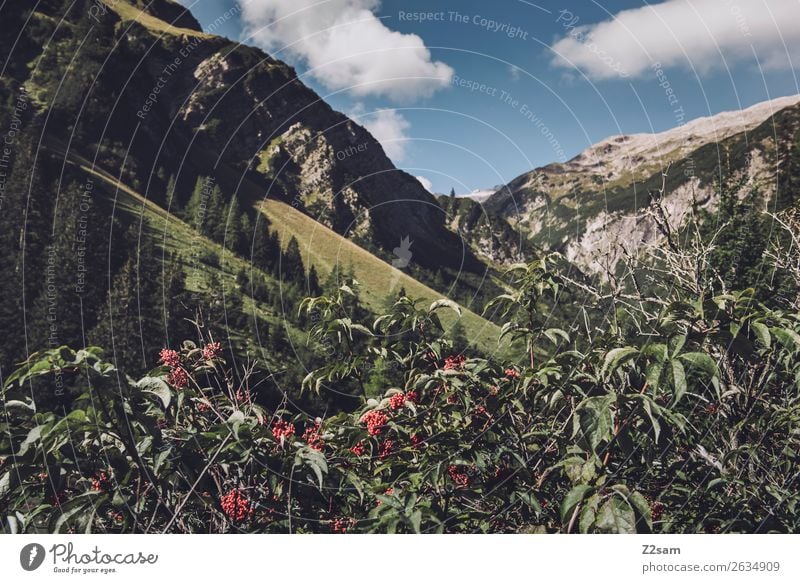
(591, 206)
(139, 86)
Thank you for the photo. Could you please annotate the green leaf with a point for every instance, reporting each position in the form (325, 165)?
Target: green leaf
(642, 509)
(700, 361)
(647, 405)
(588, 514)
(33, 436)
(156, 386)
(615, 357)
(787, 337)
(553, 334)
(676, 343)
(678, 379)
(616, 516)
(573, 498)
(593, 420)
(416, 520)
(653, 375)
(444, 303)
(7, 482)
(762, 333)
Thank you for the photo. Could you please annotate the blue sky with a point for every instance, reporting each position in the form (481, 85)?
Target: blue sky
(469, 94)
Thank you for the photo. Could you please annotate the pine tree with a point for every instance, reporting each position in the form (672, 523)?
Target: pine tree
(313, 288)
(244, 235)
(226, 227)
(292, 269)
(23, 228)
(135, 318)
(266, 247)
(196, 208)
(214, 224)
(173, 205)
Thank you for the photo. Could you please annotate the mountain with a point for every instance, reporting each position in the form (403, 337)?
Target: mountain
(591, 207)
(171, 181)
(137, 85)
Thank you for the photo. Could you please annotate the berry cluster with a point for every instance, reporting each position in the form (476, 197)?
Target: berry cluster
(312, 436)
(212, 350)
(178, 378)
(455, 362)
(375, 421)
(396, 401)
(459, 475)
(412, 397)
(385, 449)
(170, 357)
(342, 524)
(480, 411)
(416, 440)
(358, 449)
(711, 408)
(101, 482)
(282, 429)
(657, 510)
(237, 506)
(511, 373)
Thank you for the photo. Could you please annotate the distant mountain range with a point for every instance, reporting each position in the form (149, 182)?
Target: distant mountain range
(590, 207)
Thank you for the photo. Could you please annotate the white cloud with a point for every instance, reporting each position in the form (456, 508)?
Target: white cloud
(387, 126)
(346, 46)
(682, 33)
(426, 184)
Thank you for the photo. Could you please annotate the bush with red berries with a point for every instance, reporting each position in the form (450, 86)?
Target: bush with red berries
(689, 425)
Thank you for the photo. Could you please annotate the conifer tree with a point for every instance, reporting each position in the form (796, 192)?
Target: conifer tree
(292, 269)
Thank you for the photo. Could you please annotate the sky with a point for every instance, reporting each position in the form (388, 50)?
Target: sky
(469, 94)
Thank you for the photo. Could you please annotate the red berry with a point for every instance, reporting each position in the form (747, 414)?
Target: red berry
(341, 525)
(396, 401)
(101, 482)
(657, 510)
(375, 421)
(212, 350)
(455, 362)
(237, 506)
(282, 429)
(312, 437)
(170, 357)
(178, 378)
(385, 449)
(459, 475)
(358, 449)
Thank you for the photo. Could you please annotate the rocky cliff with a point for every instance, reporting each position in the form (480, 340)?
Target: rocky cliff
(592, 207)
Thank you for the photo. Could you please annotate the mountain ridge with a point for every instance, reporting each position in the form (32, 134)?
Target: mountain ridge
(591, 206)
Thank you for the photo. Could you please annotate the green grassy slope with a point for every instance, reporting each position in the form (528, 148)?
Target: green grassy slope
(320, 246)
(175, 236)
(326, 249)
